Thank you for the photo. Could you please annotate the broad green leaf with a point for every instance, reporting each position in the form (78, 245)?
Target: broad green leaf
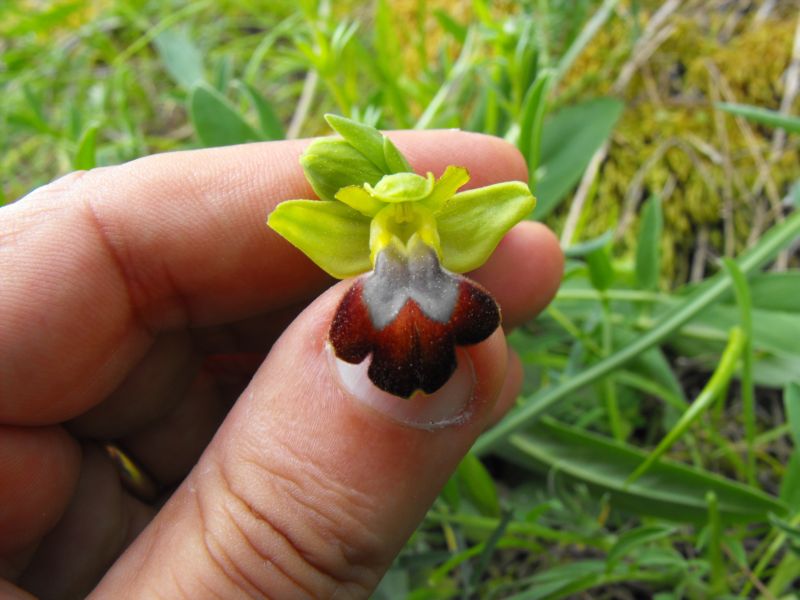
(668, 490)
(85, 157)
(648, 254)
(569, 140)
(181, 57)
(270, 124)
(478, 485)
(762, 115)
(332, 164)
(216, 120)
(367, 140)
(776, 291)
(472, 223)
(333, 235)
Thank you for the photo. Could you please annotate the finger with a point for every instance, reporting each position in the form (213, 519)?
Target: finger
(524, 272)
(38, 471)
(99, 522)
(308, 490)
(101, 262)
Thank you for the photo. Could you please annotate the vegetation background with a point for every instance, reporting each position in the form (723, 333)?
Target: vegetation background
(653, 452)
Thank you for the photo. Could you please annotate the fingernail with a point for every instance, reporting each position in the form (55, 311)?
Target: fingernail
(449, 405)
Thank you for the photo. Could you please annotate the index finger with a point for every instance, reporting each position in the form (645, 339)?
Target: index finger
(97, 264)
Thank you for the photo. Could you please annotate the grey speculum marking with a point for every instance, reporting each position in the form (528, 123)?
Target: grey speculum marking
(418, 276)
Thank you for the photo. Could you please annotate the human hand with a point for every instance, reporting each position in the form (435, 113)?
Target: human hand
(132, 299)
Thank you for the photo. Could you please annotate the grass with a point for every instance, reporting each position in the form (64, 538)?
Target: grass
(653, 451)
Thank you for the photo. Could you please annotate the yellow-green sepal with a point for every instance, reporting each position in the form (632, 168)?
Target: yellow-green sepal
(333, 235)
(447, 185)
(472, 223)
(356, 197)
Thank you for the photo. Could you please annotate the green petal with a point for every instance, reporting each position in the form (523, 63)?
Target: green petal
(358, 198)
(447, 185)
(472, 223)
(333, 235)
(331, 164)
(402, 187)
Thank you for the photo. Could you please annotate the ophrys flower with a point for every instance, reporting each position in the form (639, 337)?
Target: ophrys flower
(412, 235)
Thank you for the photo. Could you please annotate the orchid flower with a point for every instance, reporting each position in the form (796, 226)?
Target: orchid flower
(408, 237)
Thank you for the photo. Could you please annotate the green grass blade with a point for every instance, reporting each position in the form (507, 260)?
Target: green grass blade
(669, 490)
(587, 33)
(531, 122)
(85, 156)
(648, 250)
(743, 299)
(772, 242)
(762, 115)
(714, 553)
(718, 382)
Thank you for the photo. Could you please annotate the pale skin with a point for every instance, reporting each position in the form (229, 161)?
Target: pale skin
(117, 284)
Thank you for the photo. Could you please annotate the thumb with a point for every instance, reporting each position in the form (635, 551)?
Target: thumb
(315, 480)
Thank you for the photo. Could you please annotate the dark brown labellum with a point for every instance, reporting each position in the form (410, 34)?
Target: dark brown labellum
(409, 314)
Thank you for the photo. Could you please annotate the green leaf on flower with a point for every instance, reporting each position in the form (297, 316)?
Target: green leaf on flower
(472, 223)
(333, 235)
(331, 164)
(395, 160)
(363, 138)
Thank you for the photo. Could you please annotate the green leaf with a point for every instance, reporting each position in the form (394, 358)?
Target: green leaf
(679, 313)
(710, 392)
(333, 235)
(569, 140)
(762, 115)
(634, 539)
(791, 400)
(85, 157)
(216, 120)
(669, 490)
(601, 269)
(648, 254)
(478, 486)
(395, 161)
(776, 291)
(582, 249)
(367, 140)
(790, 484)
(532, 120)
(472, 223)
(332, 164)
(181, 57)
(270, 125)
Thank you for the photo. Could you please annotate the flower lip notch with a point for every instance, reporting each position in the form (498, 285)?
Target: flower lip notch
(408, 237)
